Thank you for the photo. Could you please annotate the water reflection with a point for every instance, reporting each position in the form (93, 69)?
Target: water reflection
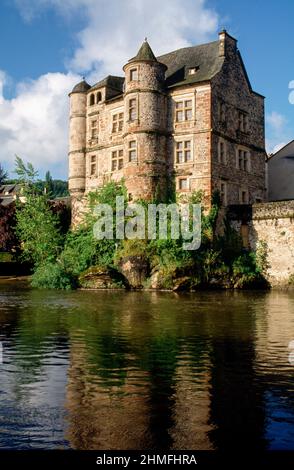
(111, 370)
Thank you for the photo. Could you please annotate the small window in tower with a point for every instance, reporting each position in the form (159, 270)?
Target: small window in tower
(132, 151)
(132, 109)
(93, 165)
(92, 99)
(98, 97)
(133, 75)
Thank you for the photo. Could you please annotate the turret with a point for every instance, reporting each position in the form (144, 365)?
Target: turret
(145, 136)
(77, 139)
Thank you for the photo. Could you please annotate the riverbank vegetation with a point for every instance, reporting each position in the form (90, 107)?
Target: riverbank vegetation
(62, 260)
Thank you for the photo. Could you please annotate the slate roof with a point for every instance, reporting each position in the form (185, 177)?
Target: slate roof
(281, 174)
(204, 57)
(111, 81)
(81, 87)
(145, 53)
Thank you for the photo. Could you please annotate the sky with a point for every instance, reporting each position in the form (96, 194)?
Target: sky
(47, 46)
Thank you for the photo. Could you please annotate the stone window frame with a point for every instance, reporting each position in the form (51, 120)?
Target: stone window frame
(117, 123)
(117, 157)
(94, 130)
(243, 191)
(93, 166)
(132, 150)
(95, 98)
(91, 99)
(223, 192)
(243, 121)
(221, 111)
(180, 181)
(185, 149)
(182, 100)
(134, 74)
(133, 108)
(222, 156)
(243, 159)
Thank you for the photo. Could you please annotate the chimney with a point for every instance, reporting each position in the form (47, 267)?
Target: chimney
(227, 44)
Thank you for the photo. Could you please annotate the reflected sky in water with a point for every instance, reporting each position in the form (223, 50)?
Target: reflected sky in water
(143, 370)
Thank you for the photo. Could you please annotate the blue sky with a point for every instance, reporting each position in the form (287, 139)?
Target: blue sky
(47, 45)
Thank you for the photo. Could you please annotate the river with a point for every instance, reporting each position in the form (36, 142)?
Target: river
(146, 370)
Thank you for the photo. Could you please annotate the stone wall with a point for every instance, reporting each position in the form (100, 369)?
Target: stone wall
(231, 91)
(272, 223)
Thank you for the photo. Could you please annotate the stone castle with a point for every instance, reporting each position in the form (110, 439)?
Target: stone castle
(187, 120)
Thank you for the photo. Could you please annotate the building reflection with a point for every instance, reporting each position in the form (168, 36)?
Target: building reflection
(148, 374)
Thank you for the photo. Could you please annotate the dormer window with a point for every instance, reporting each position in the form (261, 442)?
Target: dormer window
(133, 75)
(193, 70)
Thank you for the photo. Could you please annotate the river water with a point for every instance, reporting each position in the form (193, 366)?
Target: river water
(146, 370)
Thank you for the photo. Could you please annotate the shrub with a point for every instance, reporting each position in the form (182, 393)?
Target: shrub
(53, 276)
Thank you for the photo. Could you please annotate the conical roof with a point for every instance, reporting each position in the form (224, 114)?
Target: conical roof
(81, 87)
(145, 53)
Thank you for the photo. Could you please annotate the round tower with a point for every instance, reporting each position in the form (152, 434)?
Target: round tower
(146, 126)
(77, 139)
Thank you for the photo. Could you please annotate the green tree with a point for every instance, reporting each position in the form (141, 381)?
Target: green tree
(37, 229)
(3, 174)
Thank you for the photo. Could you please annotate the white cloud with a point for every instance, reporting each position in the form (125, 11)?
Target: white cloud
(276, 121)
(34, 123)
(277, 131)
(116, 28)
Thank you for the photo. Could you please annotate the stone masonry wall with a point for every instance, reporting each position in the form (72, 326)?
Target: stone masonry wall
(273, 223)
(231, 90)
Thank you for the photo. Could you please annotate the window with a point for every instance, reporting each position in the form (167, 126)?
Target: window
(183, 151)
(132, 151)
(117, 160)
(183, 110)
(98, 97)
(92, 99)
(243, 122)
(243, 160)
(94, 129)
(133, 75)
(93, 165)
(183, 184)
(132, 109)
(222, 112)
(223, 193)
(222, 153)
(192, 70)
(243, 197)
(117, 122)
